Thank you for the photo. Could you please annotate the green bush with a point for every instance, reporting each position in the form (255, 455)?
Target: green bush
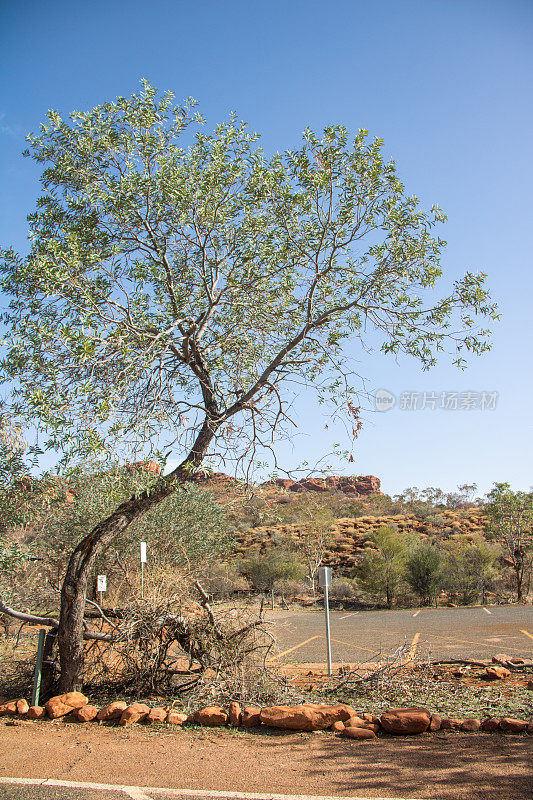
(274, 565)
(381, 572)
(424, 571)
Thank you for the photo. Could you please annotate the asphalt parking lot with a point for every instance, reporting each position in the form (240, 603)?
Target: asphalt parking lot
(474, 633)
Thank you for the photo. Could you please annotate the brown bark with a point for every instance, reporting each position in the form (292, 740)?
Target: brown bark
(80, 566)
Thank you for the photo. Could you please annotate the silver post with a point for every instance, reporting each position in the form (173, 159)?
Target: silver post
(324, 580)
(38, 669)
(328, 636)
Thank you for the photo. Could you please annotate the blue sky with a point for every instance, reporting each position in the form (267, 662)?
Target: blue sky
(446, 84)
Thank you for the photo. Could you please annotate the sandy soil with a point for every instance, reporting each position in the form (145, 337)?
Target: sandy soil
(445, 765)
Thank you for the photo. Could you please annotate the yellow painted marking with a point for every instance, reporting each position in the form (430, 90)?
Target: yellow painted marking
(414, 643)
(350, 644)
(527, 634)
(483, 644)
(291, 649)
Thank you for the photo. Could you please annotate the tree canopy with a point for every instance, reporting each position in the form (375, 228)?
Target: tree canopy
(175, 274)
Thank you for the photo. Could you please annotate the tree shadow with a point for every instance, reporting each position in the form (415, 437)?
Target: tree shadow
(442, 766)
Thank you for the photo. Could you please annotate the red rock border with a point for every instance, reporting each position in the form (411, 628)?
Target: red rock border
(342, 719)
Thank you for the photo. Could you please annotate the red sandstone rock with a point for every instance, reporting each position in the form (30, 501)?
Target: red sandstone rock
(112, 711)
(235, 714)
(308, 717)
(338, 726)
(86, 713)
(406, 720)
(358, 733)
(176, 718)
(471, 725)
(9, 709)
(212, 715)
(435, 723)
(371, 718)
(63, 704)
(36, 712)
(511, 725)
(156, 715)
(496, 673)
(500, 658)
(490, 724)
(22, 708)
(356, 722)
(251, 716)
(529, 728)
(451, 724)
(349, 484)
(134, 713)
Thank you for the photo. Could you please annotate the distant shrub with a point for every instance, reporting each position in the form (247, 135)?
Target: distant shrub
(290, 588)
(341, 590)
(221, 580)
(263, 570)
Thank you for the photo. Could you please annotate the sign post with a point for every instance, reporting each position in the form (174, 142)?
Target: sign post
(324, 580)
(38, 669)
(101, 585)
(143, 562)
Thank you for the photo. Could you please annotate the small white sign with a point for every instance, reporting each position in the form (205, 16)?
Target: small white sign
(102, 583)
(143, 552)
(324, 577)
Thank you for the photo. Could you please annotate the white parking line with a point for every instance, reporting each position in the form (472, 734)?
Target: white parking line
(142, 792)
(137, 794)
(486, 610)
(417, 612)
(349, 615)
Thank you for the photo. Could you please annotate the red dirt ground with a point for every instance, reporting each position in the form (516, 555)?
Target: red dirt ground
(444, 765)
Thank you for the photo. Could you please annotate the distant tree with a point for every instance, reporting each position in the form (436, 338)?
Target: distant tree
(511, 523)
(469, 568)
(178, 282)
(382, 571)
(424, 571)
(264, 569)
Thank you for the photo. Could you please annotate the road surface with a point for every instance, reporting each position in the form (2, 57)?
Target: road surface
(476, 633)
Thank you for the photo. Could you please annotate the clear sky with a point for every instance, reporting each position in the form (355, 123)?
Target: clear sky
(446, 83)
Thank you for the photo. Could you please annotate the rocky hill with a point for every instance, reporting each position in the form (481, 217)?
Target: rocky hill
(349, 537)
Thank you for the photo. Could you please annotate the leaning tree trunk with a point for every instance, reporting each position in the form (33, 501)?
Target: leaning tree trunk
(81, 563)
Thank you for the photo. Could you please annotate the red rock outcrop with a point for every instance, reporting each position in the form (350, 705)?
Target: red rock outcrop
(362, 485)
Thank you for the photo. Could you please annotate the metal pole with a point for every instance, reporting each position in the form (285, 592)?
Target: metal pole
(328, 636)
(272, 598)
(142, 580)
(38, 669)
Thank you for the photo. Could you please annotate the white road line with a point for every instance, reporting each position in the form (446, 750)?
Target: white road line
(417, 612)
(183, 793)
(137, 794)
(349, 615)
(486, 610)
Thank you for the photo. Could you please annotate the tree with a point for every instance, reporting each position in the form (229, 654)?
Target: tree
(424, 571)
(469, 568)
(180, 285)
(382, 571)
(277, 564)
(511, 523)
